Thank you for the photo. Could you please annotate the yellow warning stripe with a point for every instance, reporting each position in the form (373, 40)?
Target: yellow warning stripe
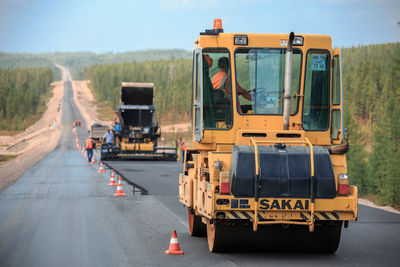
(321, 216)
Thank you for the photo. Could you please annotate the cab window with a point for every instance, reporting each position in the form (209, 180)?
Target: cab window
(260, 78)
(217, 89)
(336, 81)
(316, 91)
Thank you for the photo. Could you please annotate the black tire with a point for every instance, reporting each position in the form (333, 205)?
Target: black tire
(196, 227)
(217, 237)
(327, 236)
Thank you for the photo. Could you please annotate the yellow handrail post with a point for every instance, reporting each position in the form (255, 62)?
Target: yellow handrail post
(255, 223)
(311, 226)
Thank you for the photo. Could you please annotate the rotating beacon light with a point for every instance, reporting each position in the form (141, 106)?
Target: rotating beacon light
(217, 28)
(218, 25)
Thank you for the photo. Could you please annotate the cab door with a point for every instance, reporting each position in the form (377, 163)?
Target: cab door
(337, 98)
(198, 96)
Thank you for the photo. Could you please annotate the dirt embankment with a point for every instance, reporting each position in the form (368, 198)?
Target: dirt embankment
(175, 128)
(86, 103)
(35, 142)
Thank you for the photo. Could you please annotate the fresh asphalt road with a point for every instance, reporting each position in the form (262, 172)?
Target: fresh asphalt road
(374, 240)
(62, 213)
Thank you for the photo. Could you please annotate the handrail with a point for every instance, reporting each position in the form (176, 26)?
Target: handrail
(306, 141)
(256, 184)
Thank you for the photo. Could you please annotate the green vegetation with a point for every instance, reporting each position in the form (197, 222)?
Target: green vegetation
(171, 79)
(24, 81)
(22, 96)
(77, 61)
(371, 82)
(6, 157)
(27, 61)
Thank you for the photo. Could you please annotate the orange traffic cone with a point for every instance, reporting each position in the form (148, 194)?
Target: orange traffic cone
(120, 190)
(93, 160)
(101, 169)
(174, 248)
(112, 178)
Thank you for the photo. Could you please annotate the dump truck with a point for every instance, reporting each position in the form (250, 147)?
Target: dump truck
(97, 132)
(268, 154)
(137, 133)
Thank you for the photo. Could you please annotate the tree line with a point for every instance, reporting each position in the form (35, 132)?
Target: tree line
(77, 61)
(24, 78)
(171, 78)
(371, 98)
(21, 96)
(28, 61)
(371, 82)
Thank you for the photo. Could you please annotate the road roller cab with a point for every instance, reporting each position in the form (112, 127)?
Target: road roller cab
(267, 128)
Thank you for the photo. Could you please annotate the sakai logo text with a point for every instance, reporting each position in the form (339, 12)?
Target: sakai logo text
(284, 204)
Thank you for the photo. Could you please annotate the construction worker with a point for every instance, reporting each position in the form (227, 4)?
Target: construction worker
(118, 119)
(178, 148)
(89, 148)
(108, 137)
(183, 148)
(222, 80)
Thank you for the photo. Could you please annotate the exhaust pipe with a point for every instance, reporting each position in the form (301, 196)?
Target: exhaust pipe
(288, 82)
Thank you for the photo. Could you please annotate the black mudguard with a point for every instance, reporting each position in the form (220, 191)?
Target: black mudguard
(285, 171)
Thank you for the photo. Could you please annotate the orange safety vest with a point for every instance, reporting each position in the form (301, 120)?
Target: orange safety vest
(183, 146)
(218, 81)
(89, 143)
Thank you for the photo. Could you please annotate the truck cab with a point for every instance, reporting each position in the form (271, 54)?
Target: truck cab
(267, 128)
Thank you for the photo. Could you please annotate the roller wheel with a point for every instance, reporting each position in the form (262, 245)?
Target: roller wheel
(196, 227)
(216, 237)
(328, 237)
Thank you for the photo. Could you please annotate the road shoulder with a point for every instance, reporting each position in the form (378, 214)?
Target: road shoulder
(35, 142)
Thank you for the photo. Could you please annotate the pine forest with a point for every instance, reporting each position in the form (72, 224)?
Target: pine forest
(22, 93)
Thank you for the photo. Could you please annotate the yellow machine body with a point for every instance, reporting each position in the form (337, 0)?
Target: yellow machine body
(208, 162)
(137, 147)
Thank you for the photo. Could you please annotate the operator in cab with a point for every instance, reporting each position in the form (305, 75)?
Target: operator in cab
(222, 80)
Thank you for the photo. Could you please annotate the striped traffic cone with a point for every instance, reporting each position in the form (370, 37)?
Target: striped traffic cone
(101, 169)
(174, 248)
(112, 178)
(93, 160)
(120, 190)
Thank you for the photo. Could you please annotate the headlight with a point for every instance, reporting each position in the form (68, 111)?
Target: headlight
(240, 40)
(298, 40)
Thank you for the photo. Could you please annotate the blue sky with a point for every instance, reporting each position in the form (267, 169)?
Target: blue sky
(123, 25)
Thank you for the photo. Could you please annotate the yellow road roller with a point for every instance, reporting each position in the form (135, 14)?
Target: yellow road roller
(268, 159)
